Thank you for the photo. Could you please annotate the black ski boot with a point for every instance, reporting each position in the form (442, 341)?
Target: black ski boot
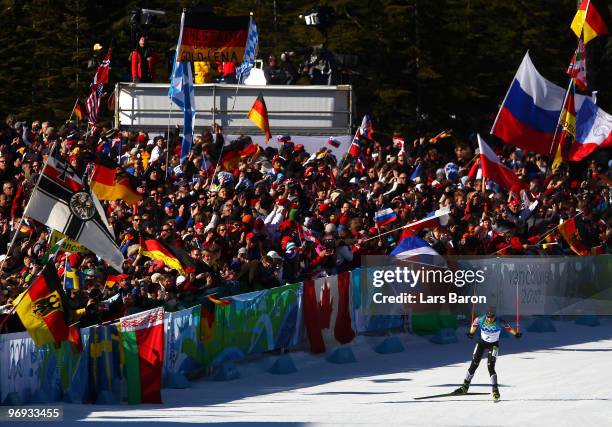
(463, 389)
(495, 393)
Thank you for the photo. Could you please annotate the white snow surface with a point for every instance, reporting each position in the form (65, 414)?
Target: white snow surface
(546, 379)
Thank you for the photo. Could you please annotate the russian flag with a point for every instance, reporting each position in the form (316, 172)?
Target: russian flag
(593, 131)
(493, 169)
(432, 219)
(530, 112)
(412, 246)
(384, 217)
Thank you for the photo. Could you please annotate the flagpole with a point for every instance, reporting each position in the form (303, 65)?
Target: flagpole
(552, 144)
(544, 236)
(168, 138)
(73, 108)
(412, 224)
(349, 149)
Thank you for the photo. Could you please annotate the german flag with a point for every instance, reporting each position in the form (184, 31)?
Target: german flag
(43, 310)
(230, 159)
(258, 114)
(79, 110)
(571, 230)
(209, 37)
(110, 182)
(592, 19)
(157, 250)
(113, 279)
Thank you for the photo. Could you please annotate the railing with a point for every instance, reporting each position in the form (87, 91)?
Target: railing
(295, 110)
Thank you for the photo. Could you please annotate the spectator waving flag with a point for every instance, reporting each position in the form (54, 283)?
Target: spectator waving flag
(182, 93)
(242, 72)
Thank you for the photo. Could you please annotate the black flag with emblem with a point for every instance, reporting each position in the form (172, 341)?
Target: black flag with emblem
(64, 203)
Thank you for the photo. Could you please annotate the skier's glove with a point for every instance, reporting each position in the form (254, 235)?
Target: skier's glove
(470, 335)
(518, 335)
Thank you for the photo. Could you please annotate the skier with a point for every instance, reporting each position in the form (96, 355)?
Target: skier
(490, 329)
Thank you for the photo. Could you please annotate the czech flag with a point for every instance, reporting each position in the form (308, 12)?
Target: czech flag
(384, 217)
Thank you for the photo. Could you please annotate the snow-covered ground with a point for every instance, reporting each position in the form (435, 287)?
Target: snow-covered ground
(549, 379)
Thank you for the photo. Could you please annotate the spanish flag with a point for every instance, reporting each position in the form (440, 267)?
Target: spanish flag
(592, 19)
(157, 250)
(43, 310)
(259, 115)
(568, 125)
(110, 182)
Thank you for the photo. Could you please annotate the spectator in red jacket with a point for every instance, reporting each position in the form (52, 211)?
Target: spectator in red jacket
(143, 60)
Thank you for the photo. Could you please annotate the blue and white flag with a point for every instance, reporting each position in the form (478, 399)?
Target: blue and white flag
(417, 172)
(182, 93)
(248, 61)
(413, 246)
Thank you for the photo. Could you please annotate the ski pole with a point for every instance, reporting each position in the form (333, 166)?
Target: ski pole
(517, 309)
(473, 305)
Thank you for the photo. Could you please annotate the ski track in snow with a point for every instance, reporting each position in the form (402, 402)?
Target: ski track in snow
(547, 379)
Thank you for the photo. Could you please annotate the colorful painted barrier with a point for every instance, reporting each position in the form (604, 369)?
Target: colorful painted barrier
(248, 324)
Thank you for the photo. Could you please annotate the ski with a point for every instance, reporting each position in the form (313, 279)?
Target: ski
(452, 393)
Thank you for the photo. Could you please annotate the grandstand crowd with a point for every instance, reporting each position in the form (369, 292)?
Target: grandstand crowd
(282, 215)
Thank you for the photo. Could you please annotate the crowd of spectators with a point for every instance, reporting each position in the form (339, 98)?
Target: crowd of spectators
(252, 227)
